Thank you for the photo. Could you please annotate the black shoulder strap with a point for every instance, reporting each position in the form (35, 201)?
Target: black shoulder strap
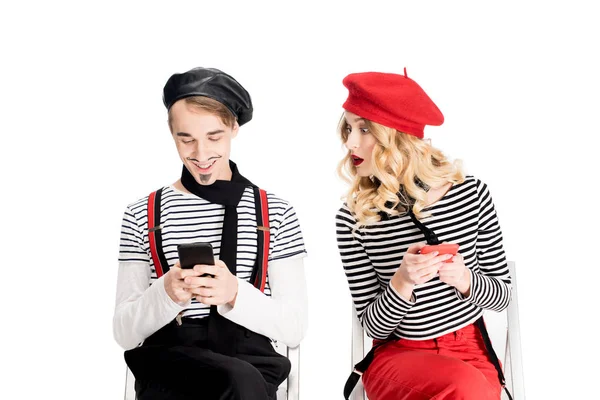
(359, 369)
(490, 349)
(430, 236)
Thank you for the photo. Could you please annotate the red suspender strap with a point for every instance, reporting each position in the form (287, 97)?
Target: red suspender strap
(267, 238)
(264, 238)
(154, 237)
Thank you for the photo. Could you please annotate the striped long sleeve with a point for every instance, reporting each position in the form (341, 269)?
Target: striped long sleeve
(371, 255)
(491, 287)
(378, 305)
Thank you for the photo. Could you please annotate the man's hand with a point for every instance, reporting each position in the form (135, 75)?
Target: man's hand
(220, 289)
(175, 285)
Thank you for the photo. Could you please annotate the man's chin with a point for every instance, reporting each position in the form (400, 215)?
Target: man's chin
(205, 180)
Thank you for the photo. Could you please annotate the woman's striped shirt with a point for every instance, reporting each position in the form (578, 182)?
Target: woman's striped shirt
(372, 254)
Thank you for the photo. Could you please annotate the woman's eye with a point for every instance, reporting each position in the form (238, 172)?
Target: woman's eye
(364, 130)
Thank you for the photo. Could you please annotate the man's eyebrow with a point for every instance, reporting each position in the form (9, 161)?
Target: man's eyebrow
(211, 133)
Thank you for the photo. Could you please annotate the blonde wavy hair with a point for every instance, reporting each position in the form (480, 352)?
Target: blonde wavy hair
(399, 160)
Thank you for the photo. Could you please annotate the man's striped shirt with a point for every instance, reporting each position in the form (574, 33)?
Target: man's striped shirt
(187, 218)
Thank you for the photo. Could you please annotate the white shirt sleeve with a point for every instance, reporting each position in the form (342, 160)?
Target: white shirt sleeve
(140, 309)
(284, 315)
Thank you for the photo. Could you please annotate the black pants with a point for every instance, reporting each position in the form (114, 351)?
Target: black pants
(175, 364)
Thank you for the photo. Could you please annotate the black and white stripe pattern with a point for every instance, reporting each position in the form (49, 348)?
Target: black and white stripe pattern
(186, 218)
(372, 254)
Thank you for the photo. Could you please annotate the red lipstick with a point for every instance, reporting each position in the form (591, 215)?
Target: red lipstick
(357, 160)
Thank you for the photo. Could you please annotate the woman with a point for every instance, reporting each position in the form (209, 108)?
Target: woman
(423, 310)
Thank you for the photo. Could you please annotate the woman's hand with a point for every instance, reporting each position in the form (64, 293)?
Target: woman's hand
(456, 274)
(416, 269)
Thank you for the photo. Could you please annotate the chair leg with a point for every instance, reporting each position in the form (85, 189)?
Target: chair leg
(293, 382)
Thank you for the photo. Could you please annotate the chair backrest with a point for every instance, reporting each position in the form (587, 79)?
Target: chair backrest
(504, 330)
(288, 390)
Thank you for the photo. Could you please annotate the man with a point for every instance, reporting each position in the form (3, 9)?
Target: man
(203, 331)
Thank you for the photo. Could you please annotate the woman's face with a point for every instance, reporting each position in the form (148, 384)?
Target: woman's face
(360, 142)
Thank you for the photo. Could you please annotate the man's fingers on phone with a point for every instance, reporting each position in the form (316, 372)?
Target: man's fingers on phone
(206, 281)
(190, 282)
(200, 281)
(206, 269)
(184, 273)
(207, 300)
(203, 291)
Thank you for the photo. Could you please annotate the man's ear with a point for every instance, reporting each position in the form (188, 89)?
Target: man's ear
(235, 129)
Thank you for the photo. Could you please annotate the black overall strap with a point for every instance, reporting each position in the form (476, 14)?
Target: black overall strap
(490, 349)
(360, 368)
(430, 236)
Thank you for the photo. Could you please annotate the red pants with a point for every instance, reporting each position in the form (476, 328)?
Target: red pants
(453, 366)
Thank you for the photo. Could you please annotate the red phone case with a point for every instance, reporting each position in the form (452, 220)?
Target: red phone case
(444, 248)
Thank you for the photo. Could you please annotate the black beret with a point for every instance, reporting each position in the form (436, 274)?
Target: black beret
(213, 83)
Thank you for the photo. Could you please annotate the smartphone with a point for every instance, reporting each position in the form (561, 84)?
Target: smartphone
(444, 248)
(191, 254)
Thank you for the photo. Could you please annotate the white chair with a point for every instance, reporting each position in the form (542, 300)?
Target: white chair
(504, 330)
(289, 389)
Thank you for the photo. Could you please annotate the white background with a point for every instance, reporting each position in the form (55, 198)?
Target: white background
(84, 133)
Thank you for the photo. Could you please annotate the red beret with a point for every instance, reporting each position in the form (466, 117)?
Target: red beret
(392, 100)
